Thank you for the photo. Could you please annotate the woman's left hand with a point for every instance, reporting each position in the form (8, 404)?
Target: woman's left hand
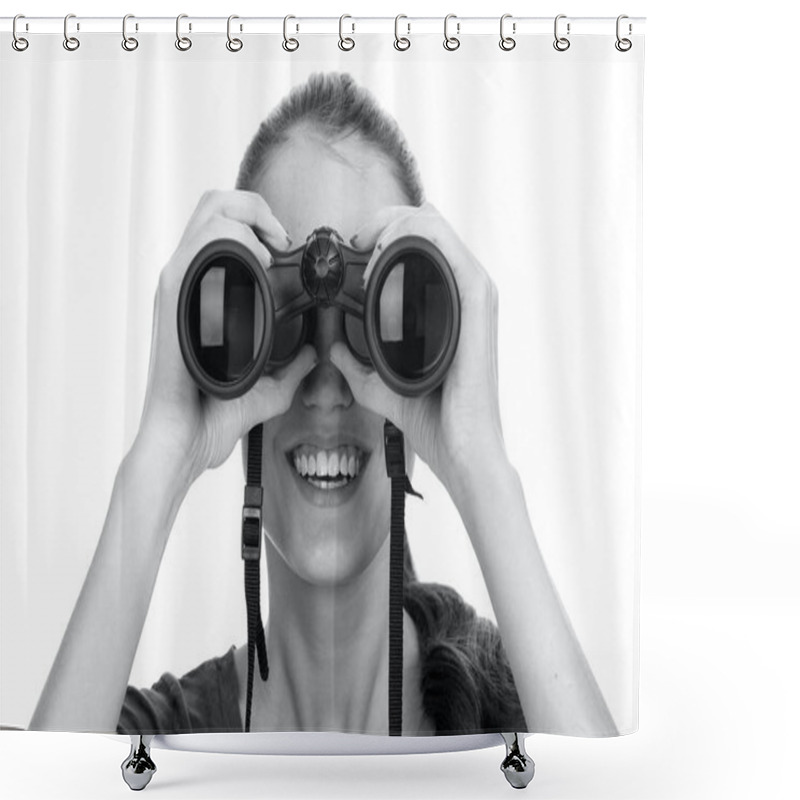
(456, 429)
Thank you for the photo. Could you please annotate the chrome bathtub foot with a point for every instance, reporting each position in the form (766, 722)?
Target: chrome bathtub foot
(138, 768)
(517, 766)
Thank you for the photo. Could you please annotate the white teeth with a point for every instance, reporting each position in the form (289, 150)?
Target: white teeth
(337, 466)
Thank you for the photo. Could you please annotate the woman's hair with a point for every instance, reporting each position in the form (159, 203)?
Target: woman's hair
(337, 107)
(467, 684)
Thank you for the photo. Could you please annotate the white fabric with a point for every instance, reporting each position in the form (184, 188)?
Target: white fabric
(534, 157)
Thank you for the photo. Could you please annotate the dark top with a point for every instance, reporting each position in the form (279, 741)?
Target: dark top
(466, 682)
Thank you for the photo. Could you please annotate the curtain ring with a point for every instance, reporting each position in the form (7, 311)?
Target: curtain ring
(19, 43)
(401, 42)
(561, 43)
(289, 44)
(233, 44)
(507, 42)
(345, 42)
(129, 43)
(451, 42)
(623, 45)
(70, 42)
(181, 42)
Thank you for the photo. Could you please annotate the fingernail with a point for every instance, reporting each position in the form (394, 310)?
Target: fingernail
(354, 241)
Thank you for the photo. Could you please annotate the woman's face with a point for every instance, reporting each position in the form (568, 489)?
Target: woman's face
(326, 494)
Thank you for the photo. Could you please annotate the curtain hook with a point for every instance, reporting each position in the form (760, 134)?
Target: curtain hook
(507, 42)
(401, 42)
(129, 43)
(19, 43)
(451, 42)
(561, 43)
(181, 42)
(623, 45)
(233, 44)
(345, 42)
(289, 44)
(70, 42)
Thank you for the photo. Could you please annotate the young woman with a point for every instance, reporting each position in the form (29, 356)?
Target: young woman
(328, 156)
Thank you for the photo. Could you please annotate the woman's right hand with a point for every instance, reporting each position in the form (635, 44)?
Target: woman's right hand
(190, 430)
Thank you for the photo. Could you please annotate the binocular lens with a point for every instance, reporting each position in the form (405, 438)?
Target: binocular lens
(226, 313)
(415, 321)
(226, 320)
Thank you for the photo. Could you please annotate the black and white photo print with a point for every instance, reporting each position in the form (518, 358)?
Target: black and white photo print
(330, 369)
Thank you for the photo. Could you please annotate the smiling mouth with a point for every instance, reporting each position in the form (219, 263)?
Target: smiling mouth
(328, 469)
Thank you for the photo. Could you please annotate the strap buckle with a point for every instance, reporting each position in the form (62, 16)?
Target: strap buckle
(251, 523)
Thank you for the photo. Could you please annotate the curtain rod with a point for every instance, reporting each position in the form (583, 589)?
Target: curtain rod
(325, 25)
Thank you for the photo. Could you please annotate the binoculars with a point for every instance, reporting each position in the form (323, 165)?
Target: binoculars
(237, 320)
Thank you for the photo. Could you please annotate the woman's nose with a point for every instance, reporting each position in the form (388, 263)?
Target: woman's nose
(325, 387)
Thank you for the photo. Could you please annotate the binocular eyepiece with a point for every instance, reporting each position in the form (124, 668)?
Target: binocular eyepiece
(237, 320)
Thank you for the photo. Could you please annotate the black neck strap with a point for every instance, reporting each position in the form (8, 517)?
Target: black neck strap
(396, 470)
(251, 553)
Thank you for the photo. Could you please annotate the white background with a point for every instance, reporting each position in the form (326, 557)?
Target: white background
(720, 530)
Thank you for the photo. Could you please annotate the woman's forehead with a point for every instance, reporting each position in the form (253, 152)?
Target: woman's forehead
(313, 180)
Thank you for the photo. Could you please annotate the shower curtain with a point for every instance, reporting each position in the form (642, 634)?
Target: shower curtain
(118, 164)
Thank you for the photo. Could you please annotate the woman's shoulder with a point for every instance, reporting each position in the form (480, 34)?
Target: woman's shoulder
(200, 701)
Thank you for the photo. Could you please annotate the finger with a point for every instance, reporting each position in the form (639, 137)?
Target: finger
(225, 227)
(248, 208)
(366, 385)
(272, 395)
(366, 237)
(216, 227)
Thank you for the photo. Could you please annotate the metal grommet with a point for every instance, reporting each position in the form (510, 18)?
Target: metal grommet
(401, 42)
(561, 43)
(345, 42)
(19, 43)
(70, 42)
(451, 42)
(181, 42)
(623, 45)
(233, 44)
(290, 44)
(507, 42)
(129, 43)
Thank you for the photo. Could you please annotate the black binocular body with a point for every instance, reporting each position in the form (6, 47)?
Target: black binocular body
(237, 320)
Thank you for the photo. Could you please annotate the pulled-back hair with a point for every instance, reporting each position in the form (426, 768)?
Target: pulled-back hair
(337, 107)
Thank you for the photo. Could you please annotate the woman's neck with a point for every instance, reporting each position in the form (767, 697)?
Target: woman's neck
(328, 650)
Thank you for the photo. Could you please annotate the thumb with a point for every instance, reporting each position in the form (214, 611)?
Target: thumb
(273, 394)
(366, 385)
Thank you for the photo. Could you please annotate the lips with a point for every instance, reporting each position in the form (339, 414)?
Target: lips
(327, 469)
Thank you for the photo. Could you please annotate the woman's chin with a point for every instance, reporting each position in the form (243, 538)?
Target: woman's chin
(328, 566)
(326, 547)
(328, 532)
